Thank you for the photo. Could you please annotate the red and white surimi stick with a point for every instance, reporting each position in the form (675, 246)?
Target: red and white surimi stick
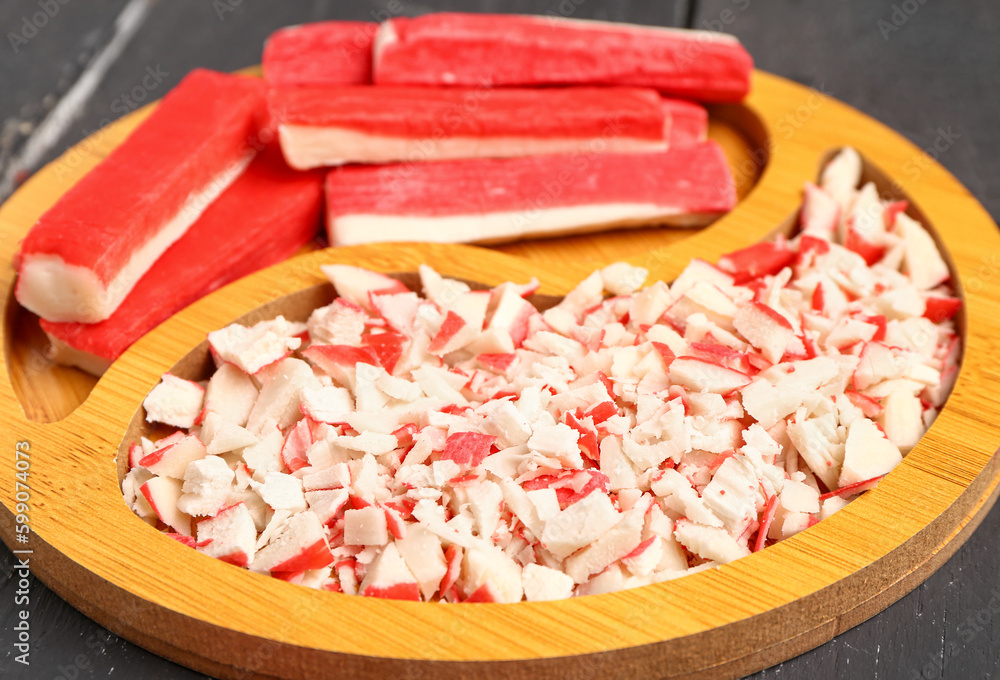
(688, 121)
(321, 126)
(505, 199)
(86, 253)
(323, 53)
(504, 49)
(267, 215)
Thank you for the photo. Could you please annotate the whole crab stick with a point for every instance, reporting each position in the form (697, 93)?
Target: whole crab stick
(84, 255)
(510, 49)
(328, 126)
(493, 200)
(323, 53)
(266, 216)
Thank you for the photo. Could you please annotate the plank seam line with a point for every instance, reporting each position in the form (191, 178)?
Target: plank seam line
(62, 115)
(691, 13)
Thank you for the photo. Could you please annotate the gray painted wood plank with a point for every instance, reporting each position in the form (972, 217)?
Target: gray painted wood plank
(930, 73)
(44, 48)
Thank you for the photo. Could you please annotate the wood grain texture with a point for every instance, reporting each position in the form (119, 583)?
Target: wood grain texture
(713, 624)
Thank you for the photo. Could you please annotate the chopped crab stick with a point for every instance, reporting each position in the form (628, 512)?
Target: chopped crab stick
(321, 126)
(323, 53)
(267, 215)
(505, 199)
(86, 253)
(502, 50)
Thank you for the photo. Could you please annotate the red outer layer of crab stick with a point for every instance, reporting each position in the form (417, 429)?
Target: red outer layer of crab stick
(492, 200)
(266, 216)
(84, 255)
(321, 126)
(504, 50)
(688, 122)
(323, 53)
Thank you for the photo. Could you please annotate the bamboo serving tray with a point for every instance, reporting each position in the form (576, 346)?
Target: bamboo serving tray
(722, 623)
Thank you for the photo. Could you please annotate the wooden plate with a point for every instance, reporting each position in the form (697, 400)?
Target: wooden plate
(221, 620)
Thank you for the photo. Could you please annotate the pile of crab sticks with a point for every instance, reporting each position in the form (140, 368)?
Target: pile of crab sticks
(447, 128)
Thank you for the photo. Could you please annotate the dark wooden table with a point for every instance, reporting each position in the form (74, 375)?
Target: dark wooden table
(927, 69)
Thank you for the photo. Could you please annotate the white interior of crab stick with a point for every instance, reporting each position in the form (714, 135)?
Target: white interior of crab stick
(503, 226)
(340, 124)
(308, 146)
(67, 355)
